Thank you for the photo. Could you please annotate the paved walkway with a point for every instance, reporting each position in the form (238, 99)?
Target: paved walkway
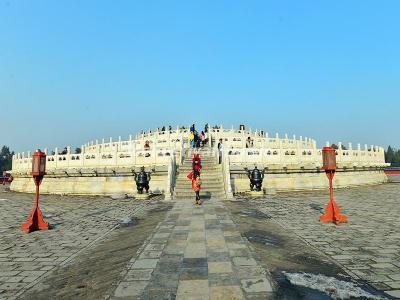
(79, 222)
(195, 253)
(368, 247)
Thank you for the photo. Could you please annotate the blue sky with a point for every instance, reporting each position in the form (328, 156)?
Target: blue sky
(74, 71)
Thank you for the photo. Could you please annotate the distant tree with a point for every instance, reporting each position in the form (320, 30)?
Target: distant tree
(392, 156)
(78, 150)
(5, 159)
(389, 154)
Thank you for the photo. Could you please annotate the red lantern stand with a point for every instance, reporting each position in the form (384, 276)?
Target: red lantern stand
(332, 213)
(35, 220)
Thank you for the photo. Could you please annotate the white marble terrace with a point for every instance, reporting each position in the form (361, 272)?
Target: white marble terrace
(170, 146)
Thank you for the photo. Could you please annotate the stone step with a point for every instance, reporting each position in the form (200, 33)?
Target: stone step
(202, 197)
(191, 194)
(202, 193)
(208, 178)
(207, 187)
(184, 174)
(207, 166)
(190, 191)
(203, 172)
(203, 160)
(187, 182)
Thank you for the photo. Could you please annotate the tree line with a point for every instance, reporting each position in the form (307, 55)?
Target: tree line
(5, 159)
(392, 156)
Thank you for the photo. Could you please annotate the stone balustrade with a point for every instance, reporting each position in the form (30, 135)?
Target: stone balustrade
(103, 159)
(306, 158)
(106, 167)
(275, 152)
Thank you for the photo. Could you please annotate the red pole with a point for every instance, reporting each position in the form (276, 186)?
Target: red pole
(332, 213)
(35, 220)
(330, 185)
(37, 195)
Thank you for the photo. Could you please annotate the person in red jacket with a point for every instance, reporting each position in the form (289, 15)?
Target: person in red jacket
(196, 161)
(194, 176)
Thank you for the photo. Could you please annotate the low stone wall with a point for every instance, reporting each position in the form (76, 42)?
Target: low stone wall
(83, 185)
(309, 180)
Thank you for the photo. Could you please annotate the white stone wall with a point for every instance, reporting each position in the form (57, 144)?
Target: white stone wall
(167, 149)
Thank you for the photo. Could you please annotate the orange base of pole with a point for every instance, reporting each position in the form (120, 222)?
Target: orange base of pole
(35, 222)
(332, 214)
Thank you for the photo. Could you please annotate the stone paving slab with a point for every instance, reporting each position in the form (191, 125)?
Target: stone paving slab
(368, 246)
(78, 223)
(197, 261)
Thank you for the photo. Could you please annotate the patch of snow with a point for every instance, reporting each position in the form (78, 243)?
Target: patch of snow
(335, 288)
(128, 221)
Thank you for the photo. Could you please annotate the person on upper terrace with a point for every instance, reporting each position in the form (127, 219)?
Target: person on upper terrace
(202, 139)
(248, 142)
(191, 139)
(192, 128)
(146, 146)
(206, 127)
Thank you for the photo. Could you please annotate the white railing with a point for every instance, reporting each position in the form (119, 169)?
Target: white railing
(171, 177)
(226, 175)
(164, 144)
(304, 157)
(155, 157)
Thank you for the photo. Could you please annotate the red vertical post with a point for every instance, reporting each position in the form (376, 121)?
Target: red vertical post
(35, 220)
(332, 212)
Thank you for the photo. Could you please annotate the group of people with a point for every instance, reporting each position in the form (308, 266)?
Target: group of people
(194, 176)
(198, 140)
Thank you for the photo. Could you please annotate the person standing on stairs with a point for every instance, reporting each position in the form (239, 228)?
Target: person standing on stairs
(219, 149)
(196, 186)
(196, 162)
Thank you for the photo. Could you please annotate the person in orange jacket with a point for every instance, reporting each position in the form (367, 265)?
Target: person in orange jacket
(196, 184)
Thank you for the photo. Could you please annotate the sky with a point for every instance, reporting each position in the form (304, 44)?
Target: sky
(74, 71)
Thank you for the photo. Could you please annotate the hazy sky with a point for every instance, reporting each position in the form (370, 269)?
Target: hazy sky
(74, 71)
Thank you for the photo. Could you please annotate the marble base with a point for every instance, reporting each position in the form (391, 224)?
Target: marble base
(143, 196)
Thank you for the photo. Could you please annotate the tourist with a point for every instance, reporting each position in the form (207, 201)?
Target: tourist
(196, 186)
(146, 146)
(219, 146)
(163, 129)
(205, 138)
(196, 162)
(191, 139)
(202, 138)
(248, 142)
(206, 127)
(192, 128)
(196, 139)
